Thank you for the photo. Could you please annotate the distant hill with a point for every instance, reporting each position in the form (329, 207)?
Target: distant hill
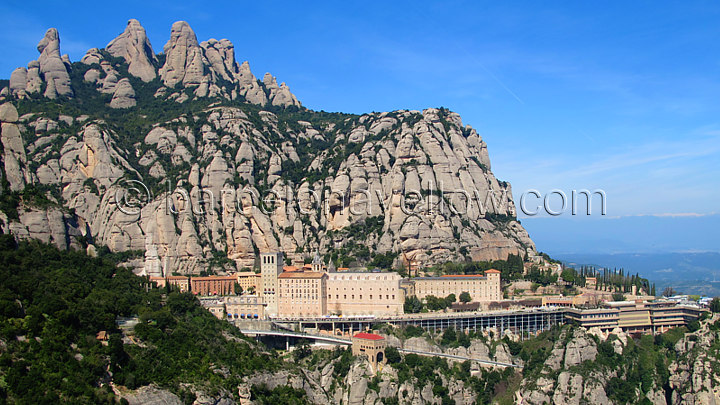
(631, 234)
(689, 273)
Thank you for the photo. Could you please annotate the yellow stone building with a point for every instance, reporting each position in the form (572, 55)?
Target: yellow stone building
(370, 345)
(481, 288)
(302, 294)
(364, 293)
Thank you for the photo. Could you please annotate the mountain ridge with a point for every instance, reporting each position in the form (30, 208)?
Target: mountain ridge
(191, 126)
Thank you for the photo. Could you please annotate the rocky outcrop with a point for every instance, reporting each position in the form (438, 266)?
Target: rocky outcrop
(52, 67)
(211, 69)
(51, 225)
(399, 182)
(14, 157)
(50, 70)
(693, 375)
(321, 386)
(151, 395)
(134, 46)
(279, 95)
(124, 95)
(209, 206)
(559, 382)
(183, 57)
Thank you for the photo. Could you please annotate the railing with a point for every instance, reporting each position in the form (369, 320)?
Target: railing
(303, 335)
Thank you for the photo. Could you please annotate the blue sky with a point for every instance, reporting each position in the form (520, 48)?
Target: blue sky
(617, 96)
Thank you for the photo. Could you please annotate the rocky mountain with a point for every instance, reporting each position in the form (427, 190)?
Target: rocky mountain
(567, 365)
(188, 157)
(672, 368)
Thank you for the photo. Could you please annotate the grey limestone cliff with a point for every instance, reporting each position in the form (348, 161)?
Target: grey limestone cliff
(247, 169)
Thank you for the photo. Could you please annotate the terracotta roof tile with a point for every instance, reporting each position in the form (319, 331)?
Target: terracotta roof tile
(368, 336)
(301, 274)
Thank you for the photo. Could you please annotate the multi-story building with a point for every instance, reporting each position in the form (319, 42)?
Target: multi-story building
(302, 293)
(216, 306)
(249, 281)
(364, 293)
(245, 307)
(407, 288)
(271, 265)
(481, 288)
(636, 316)
(181, 283)
(234, 308)
(370, 345)
(213, 285)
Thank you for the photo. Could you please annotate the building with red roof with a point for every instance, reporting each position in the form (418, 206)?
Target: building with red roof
(370, 345)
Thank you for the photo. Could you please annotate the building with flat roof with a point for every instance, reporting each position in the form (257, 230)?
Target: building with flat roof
(216, 306)
(213, 285)
(181, 283)
(249, 281)
(302, 293)
(636, 316)
(364, 293)
(244, 307)
(481, 288)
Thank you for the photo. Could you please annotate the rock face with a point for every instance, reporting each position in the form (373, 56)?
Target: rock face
(183, 57)
(279, 95)
(50, 69)
(134, 46)
(693, 375)
(124, 95)
(355, 387)
(15, 159)
(151, 395)
(571, 349)
(415, 186)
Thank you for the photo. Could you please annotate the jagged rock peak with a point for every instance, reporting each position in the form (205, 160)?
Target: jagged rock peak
(183, 57)
(50, 68)
(50, 44)
(134, 45)
(221, 55)
(279, 95)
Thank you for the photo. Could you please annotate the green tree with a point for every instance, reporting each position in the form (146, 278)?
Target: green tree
(412, 305)
(568, 275)
(465, 297)
(449, 337)
(392, 355)
(302, 350)
(435, 304)
(715, 304)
